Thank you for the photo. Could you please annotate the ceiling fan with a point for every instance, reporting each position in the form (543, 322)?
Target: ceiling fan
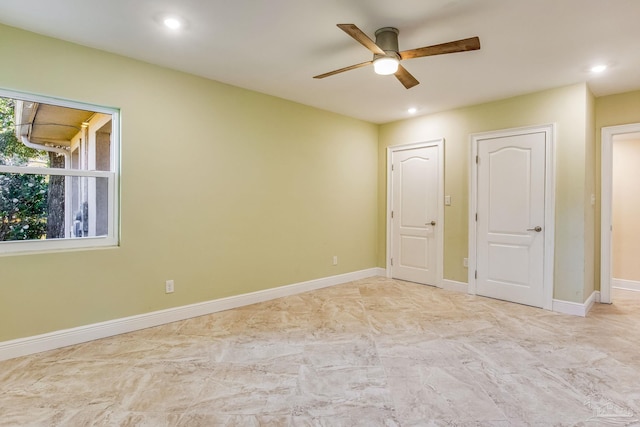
(386, 57)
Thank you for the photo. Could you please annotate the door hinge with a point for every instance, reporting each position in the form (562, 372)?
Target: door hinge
(392, 167)
(392, 261)
(477, 160)
(476, 216)
(476, 274)
(391, 214)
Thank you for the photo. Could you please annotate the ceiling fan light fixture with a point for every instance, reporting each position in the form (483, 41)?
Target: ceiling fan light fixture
(385, 65)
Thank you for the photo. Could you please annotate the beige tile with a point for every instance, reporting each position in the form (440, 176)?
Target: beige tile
(212, 420)
(536, 396)
(247, 390)
(342, 392)
(375, 352)
(423, 393)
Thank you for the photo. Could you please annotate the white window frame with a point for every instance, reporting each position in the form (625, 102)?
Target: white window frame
(70, 243)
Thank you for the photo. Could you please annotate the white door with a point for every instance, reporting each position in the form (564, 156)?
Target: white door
(511, 218)
(415, 222)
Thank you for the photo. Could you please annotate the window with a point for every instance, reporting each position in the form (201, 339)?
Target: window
(58, 174)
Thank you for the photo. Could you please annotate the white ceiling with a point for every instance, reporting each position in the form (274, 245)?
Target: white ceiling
(276, 46)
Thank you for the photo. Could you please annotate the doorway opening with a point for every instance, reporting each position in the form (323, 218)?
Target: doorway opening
(617, 228)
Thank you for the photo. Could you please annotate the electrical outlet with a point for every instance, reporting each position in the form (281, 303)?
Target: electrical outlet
(335, 260)
(447, 200)
(465, 262)
(168, 287)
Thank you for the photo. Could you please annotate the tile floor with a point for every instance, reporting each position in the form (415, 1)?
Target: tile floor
(375, 352)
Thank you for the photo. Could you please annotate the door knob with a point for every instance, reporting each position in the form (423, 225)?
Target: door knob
(537, 229)
(431, 223)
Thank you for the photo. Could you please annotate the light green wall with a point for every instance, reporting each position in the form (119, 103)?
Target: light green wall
(224, 190)
(613, 110)
(567, 107)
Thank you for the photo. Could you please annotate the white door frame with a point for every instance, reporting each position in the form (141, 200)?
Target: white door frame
(549, 196)
(606, 220)
(440, 219)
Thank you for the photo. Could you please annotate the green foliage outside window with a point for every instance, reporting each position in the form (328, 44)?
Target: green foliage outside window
(23, 197)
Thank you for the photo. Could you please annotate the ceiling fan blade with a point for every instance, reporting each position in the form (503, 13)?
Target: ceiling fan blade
(342, 70)
(463, 45)
(405, 77)
(361, 38)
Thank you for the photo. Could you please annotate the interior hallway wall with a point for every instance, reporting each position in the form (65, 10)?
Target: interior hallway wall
(612, 110)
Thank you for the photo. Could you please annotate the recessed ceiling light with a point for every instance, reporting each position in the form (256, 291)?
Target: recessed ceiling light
(172, 22)
(598, 68)
(412, 110)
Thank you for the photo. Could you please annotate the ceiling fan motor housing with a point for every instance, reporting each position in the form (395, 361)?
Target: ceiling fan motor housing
(387, 40)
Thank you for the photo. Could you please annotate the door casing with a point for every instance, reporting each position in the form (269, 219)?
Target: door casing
(549, 213)
(606, 220)
(440, 219)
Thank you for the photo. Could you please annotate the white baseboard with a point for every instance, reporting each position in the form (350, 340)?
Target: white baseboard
(593, 298)
(379, 271)
(452, 285)
(630, 285)
(57, 339)
(576, 308)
